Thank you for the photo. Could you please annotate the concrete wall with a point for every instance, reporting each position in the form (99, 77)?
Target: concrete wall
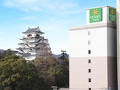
(103, 58)
(79, 42)
(118, 41)
(112, 57)
(79, 59)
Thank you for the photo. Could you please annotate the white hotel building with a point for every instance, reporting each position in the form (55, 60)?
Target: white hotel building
(93, 51)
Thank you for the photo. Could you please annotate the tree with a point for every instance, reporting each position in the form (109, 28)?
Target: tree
(62, 69)
(63, 59)
(45, 66)
(8, 54)
(53, 72)
(17, 74)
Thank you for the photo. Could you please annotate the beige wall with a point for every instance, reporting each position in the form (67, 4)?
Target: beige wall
(79, 73)
(103, 73)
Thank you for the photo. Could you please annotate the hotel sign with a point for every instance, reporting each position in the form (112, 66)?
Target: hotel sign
(95, 15)
(112, 14)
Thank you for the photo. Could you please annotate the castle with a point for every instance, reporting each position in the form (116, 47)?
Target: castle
(34, 45)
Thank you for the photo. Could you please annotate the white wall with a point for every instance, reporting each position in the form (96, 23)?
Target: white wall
(79, 42)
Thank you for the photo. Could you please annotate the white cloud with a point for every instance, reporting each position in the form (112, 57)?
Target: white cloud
(40, 5)
(25, 5)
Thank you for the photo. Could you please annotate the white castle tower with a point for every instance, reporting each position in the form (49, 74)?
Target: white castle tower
(93, 51)
(34, 45)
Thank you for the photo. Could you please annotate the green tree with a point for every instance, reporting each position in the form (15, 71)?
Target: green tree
(53, 72)
(45, 66)
(17, 74)
(61, 74)
(8, 54)
(62, 70)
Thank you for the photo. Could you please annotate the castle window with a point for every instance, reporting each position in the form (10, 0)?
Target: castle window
(29, 35)
(37, 35)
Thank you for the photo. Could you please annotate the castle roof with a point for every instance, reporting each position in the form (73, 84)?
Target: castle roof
(31, 30)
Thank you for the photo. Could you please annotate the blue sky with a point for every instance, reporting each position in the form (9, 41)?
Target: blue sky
(54, 17)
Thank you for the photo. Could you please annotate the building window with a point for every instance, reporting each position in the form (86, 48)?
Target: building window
(89, 51)
(89, 42)
(89, 70)
(89, 60)
(89, 80)
(89, 32)
(89, 89)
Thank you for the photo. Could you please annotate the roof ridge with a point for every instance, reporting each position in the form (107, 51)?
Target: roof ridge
(36, 29)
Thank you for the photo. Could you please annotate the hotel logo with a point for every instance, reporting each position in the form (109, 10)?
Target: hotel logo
(95, 15)
(112, 14)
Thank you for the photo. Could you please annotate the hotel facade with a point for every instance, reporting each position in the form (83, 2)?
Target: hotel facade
(93, 51)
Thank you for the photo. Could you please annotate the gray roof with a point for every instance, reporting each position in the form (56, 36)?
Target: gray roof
(2, 51)
(31, 30)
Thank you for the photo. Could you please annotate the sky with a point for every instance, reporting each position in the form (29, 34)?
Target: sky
(54, 17)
